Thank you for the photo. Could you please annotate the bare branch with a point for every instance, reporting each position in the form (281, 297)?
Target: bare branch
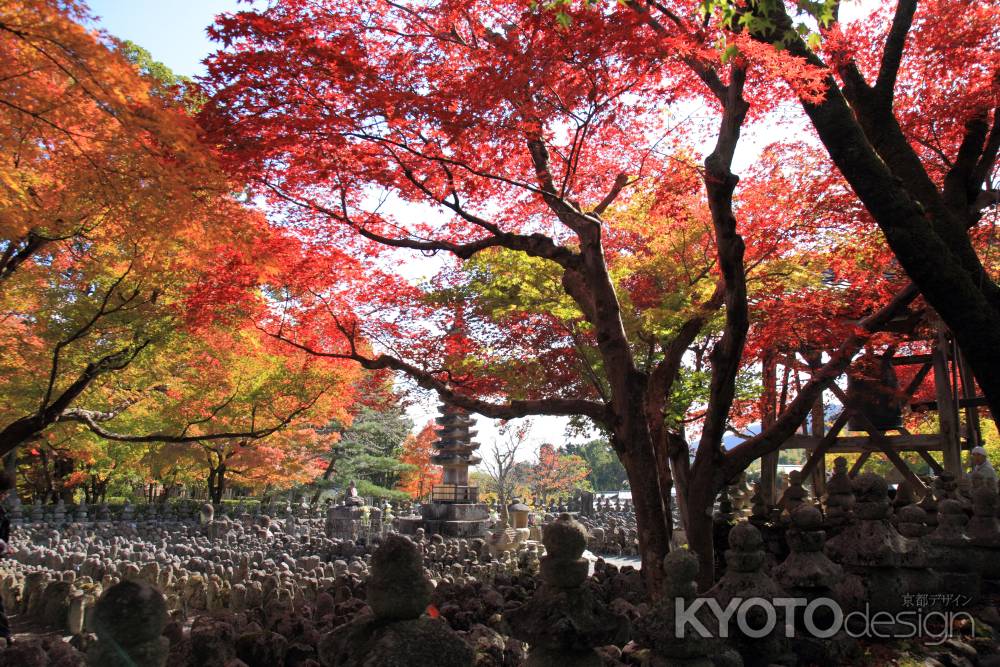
(535, 245)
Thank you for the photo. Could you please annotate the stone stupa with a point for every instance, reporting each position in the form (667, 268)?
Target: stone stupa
(454, 510)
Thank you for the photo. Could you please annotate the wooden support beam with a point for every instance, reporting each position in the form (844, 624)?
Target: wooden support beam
(769, 477)
(917, 380)
(911, 359)
(858, 464)
(931, 461)
(967, 403)
(819, 451)
(885, 445)
(818, 422)
(973, 430)
(897, 461)
(769, 408)
(854, 444)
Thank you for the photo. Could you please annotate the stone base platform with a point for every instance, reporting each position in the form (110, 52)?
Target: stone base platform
(342, 521)
(448, 520)
(407, 525)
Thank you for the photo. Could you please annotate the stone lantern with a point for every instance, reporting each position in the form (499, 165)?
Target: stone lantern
(518, 514)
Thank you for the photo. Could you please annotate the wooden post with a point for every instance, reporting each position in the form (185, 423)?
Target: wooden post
(859, 464)
(818, 420)
(947, 421)
(768, 400)
(818, 455)
(973, 431)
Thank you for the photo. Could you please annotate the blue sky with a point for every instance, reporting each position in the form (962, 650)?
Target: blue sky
(174, 32)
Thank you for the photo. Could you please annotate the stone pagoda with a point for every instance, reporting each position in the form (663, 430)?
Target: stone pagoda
(455, 453)
(454, 510)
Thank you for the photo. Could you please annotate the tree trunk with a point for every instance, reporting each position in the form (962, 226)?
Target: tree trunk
(652, 522)
(503, 501)
(330, 467)
(700, 502)
(48, 490)
(10, 467)
(210, 486)
(19, 432)
(216, 491)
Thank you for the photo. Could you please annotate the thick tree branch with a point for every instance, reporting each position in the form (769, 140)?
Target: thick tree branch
(892, 54)
(24, 429)
(590, 284)
(511, 410)
(18, 252)
(91, 420)
(664, 375)
(727, 354)
(568, 214)
(989, 156)
(960, 189)
(535, 245)
(620, 182)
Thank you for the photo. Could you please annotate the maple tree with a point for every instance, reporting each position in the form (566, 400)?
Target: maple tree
(240, 409)
(107, 193)
(246, 406)
(585, 263)
(417, 451)
(93, 150)
(130, 278)
(555, 474)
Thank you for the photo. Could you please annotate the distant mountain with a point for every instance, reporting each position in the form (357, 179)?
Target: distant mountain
(730, 440)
